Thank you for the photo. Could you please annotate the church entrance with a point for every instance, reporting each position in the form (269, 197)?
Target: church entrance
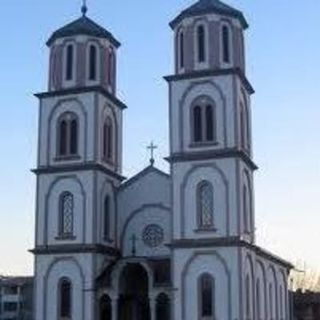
(134, 298)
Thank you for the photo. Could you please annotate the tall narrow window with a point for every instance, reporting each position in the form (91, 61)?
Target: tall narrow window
(65, 297)
(73, 136)
(226, 44)
(105, 135)
(243, 128)
(111, 67)
(108, 140)
(209, 123)
(205, 205)
(181, 49)
(68, 135)
(245, 209)
(271, 306)
(248, 298)
(258, 293)
(201, 44)
(207, 298)
(69, 62)
(197, 124)
(246, 128)
(66, 214)
(106, 218)
(93, 63)
(63, 138)
(281, 302)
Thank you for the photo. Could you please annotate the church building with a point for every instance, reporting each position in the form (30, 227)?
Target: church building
(156, 246)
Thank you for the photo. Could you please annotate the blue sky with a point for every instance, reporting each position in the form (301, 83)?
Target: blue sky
(283, 55)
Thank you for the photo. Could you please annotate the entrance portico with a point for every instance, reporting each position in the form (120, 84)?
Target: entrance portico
(132, 294)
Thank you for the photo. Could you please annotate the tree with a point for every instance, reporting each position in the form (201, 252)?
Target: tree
(304, 278)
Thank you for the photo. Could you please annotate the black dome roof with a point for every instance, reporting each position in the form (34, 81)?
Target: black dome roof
(210, 6)
(83, 26)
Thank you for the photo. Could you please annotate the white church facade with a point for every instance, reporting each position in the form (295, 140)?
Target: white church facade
(158, 246)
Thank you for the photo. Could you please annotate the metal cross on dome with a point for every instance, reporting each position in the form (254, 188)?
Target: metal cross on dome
(152, 147)
(84, 8)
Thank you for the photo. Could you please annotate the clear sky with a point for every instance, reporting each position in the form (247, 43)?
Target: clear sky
(283, 54)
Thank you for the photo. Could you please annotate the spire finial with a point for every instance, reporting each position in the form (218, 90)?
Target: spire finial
(84, 8)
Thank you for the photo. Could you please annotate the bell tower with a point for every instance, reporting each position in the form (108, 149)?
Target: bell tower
(211, 160)
(210, 125)
(79, 167)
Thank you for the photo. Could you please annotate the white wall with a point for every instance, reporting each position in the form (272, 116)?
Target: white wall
(50, 270)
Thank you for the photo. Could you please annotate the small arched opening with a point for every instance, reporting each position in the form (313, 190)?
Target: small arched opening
(105, 308)
(163, 308)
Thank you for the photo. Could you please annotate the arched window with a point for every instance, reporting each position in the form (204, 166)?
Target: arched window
(209, 123)
(92, 62)
(163, 307)
(205, 205)
(201, 41)
(226, 44)
(197, 123)
(248, 298)
(69, 62)
(68, 135)
(203, 121)
(108, 140)
(106, 217)
(207, 297)
(66, 214)
(65, 298)
(181, 49)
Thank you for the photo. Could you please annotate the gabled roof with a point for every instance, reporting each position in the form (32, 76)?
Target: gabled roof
(83, 26)
(209, 6)
(143, 173)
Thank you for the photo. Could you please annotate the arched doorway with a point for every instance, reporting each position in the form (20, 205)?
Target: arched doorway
(134, 299)
(105, 308)
(163, 307)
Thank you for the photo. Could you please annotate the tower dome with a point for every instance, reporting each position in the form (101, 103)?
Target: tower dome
(209, 36)
(83, 26)
(82, 54)
(210, 6)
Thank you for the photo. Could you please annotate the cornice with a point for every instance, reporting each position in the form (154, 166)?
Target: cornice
(87, 166)
(80, 90)
(75, 248)
(235, 242)
(212, 154)
(212, 73)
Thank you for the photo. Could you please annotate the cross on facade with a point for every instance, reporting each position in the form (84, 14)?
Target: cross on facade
(134, 242)
(152, 147)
